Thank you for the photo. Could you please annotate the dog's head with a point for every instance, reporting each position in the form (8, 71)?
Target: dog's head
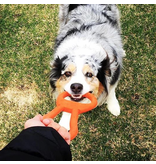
(81, 70)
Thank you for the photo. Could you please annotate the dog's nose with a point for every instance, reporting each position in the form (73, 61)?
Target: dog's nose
(76, 88)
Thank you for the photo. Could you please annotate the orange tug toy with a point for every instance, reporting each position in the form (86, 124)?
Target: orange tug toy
(75, 108)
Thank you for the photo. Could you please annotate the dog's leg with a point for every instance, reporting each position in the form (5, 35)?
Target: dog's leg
(112, 102)
(65, 120)
(63, 15)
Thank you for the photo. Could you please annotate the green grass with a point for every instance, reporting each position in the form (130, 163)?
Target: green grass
(27, 34)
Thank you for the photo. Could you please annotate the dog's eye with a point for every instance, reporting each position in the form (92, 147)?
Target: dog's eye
(89, 74)
(68, 74)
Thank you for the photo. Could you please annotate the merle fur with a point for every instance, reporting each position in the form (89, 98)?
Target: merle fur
(80, 27)
(55, 74)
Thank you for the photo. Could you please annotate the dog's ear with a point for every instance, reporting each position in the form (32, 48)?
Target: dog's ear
(56, 70)
(104, 71)
(105, 67)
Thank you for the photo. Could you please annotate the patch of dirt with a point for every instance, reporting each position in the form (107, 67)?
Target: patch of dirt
(22, 96)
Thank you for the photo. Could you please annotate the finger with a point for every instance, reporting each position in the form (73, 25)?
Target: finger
(54, 125)
(68, 141)
(67, 138)
(36, 121)
(62, 131)
(38, 117)
(65, 134)
(47, 121)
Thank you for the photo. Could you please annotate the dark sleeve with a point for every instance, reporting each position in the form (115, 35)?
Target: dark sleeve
(36, 144)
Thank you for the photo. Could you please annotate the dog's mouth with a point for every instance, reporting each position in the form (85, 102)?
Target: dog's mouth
(77, 97)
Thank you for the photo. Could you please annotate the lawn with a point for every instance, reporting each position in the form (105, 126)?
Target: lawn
(27, 35)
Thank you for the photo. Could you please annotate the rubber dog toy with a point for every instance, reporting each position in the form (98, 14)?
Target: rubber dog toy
(75, 108)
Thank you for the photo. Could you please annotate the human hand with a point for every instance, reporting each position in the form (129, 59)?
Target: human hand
(36, 121)
(39, 121)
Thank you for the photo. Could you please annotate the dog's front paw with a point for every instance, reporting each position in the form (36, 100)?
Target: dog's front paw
(64, 124)
(65, 120)
(114, 108)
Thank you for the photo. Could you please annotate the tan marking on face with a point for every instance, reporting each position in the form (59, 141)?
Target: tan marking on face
(101, 89)
(86, 69)
(71, 67)
(63, 80)
(95, 85)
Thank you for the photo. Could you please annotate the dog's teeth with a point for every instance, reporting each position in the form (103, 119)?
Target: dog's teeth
(76, 96)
